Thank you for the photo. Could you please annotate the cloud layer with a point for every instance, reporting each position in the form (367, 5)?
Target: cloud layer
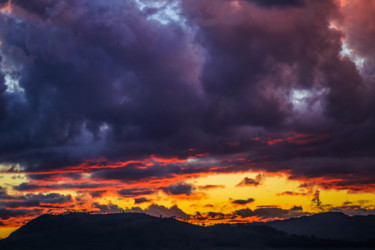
(104, 95)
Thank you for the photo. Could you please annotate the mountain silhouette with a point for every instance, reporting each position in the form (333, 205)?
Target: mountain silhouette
(332, 225)
(141, 231)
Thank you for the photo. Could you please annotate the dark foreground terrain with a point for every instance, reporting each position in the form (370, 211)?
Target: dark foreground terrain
(141, 231)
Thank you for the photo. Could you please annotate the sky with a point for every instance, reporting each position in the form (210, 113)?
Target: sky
(213, 111)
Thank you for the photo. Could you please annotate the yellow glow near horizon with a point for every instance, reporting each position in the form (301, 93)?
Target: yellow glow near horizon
(219, 199)
(265, 194)
(6, 231)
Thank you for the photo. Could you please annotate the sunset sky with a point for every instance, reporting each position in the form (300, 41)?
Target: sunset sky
(213, 111)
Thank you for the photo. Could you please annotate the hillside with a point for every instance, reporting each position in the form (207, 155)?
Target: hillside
(330, 226)
(141, 231)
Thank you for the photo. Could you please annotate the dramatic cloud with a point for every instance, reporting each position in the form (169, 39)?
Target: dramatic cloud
(297, 208)
(66, 186)
(251, 182)
(291, 193)
(133, 100)
(316, 198)
(135, 192)
(127, 76)
(122, 86)
(30, 200)
(179, 188)
(6, 214)
(109, 208)
(276, 3)
(208, 187)
(266, 212)
(141, 200)
(243, 202)
(358, 16)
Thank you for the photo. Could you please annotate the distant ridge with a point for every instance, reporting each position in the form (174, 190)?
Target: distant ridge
(333, 225)
(141, 231)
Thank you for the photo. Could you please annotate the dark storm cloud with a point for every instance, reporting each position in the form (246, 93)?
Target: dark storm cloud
(131, 192)
(94, 82)
(278, 3)
(179, 188)
(316, 199)
(267, 212)
(360, 35)
(251, 182)
(25, 186)
(248, 61)
(291, 193)
(296, 208)
(48, 177)
(97, 194)
(6, 214)
(137, 172)
(2, 96)
(32, 200)
(3, 191)
(243, 202)
(40, 200)
(107, 208)
(22, 206)
(141, 200)
(39, 7)
(210, 186)
(101, 79)
(134, 172)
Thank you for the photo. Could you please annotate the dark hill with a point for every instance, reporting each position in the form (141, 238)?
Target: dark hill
(111, 231)
(330, 226)
(141, 231)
